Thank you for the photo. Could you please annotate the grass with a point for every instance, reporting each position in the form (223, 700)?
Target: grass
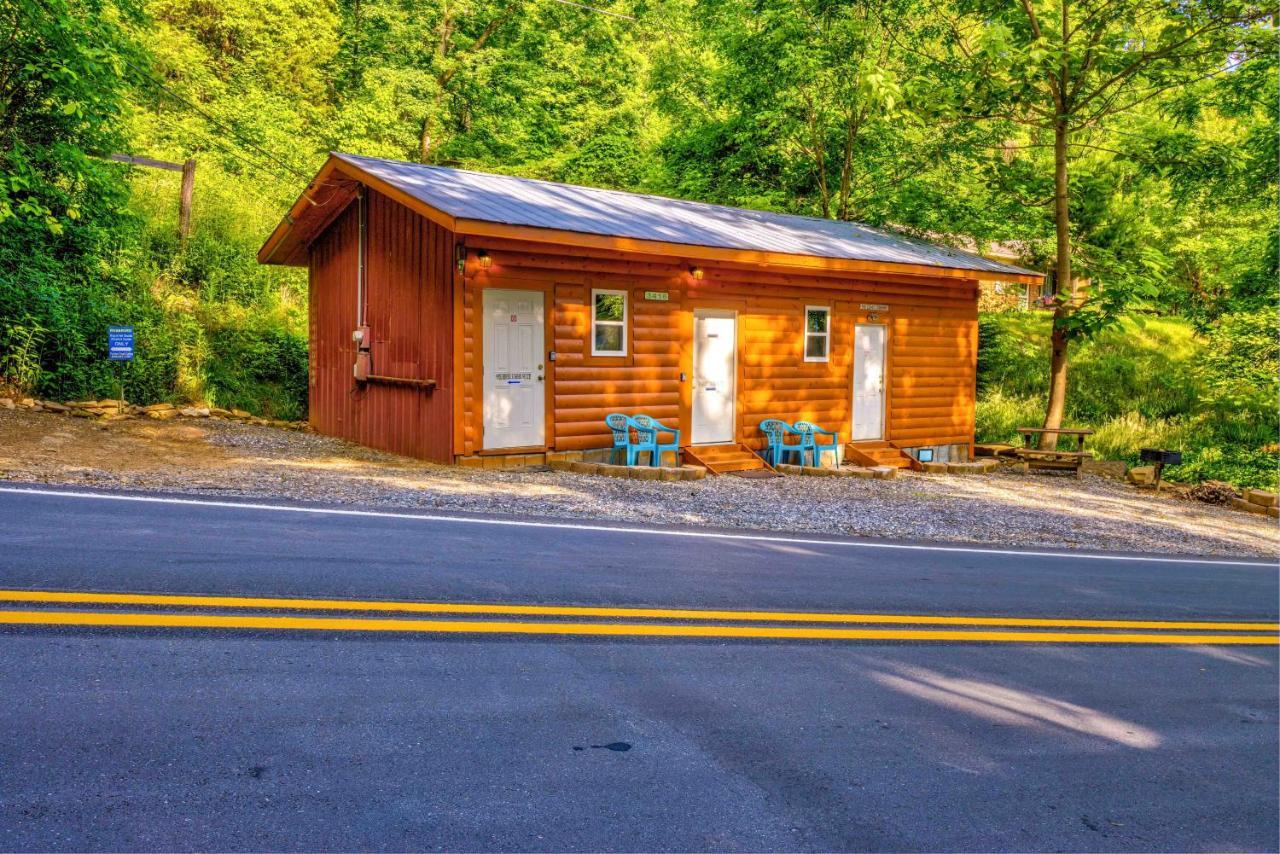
(1137, 385)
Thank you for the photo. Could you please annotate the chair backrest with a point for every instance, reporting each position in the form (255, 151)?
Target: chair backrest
(809, 429)
(621, 426)
(773, 429)
(644, 424)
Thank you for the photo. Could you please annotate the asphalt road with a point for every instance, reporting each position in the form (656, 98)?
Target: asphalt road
(175, 738)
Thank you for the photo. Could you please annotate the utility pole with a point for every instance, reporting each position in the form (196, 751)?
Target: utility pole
(184, 202)
(188, 170)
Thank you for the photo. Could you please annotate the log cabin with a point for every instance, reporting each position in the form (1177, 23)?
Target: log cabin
(481, 319)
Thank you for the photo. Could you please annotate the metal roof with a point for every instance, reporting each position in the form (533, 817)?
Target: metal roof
(464, 194)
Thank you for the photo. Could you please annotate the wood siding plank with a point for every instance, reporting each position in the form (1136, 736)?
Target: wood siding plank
(930, 358)
(409, 309)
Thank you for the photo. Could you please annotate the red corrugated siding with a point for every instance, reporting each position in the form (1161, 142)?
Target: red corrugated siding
(409, 312)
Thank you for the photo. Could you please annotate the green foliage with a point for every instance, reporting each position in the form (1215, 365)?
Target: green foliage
(999, 415)
(1141, 365)
(1120, 437)
(62, 91)
(64, 227)
(1242, 466)
(1148, 382)
(237, 327)
(257, 363)
(612, 158)
(20, 368)
(930, 117)
(814, 107)
(1240, 367)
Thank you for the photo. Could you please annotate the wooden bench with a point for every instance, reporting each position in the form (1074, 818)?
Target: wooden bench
(1053, 459)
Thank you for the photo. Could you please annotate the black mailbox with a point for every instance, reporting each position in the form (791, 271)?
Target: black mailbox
(1160, 457)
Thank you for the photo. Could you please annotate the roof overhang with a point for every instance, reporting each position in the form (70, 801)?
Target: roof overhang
(336, 183)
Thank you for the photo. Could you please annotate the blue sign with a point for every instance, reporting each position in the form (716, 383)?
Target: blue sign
(120, 343)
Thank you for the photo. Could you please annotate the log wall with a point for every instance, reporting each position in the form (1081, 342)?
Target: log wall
(930, 364)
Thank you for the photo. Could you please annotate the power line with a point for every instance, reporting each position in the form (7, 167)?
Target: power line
(220, 124)
(250, 163)
(262, 151)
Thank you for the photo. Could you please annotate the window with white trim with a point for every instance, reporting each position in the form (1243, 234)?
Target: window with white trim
(608, 323)
(817, 333)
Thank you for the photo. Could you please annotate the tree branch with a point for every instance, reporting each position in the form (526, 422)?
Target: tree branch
(1146, 59)
(445, 76)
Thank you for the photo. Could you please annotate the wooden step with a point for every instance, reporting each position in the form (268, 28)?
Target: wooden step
(729, 458)
(892, 462)
(889, 458)
(726, 458)
(706, 451)
(726, 466)
(878, 453)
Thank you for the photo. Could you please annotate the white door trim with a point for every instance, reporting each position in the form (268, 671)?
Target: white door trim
(853, 390)
(534, 435)
(694, 439)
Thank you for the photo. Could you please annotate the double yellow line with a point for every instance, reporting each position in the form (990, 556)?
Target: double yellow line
(696, 623)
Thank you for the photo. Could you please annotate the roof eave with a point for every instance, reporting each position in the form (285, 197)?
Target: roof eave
(808, 263)
(279, 237)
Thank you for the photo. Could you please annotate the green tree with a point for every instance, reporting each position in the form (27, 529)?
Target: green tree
(64, 80)
(1063, 69)
(62, 92)
(792, 104)
(517, 86)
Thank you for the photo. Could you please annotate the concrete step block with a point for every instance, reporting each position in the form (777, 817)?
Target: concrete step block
(1260, 496)
(1248, 506)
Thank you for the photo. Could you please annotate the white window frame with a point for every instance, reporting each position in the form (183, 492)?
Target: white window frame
(804, 343)
(626, 311)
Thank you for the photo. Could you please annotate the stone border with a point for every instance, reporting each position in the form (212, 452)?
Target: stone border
(115, 410)
(875, 472)
(666, 473)
(986, 465)
(1258, 501)
(507, 462)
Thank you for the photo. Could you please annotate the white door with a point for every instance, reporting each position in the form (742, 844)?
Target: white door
(868, 382)
(514, 397)
(714, 366)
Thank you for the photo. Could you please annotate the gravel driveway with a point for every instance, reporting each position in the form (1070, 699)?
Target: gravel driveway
(215, 457)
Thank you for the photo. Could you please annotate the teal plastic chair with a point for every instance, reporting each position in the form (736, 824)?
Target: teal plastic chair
(814, 440)
(650, 430)
(622, 444)
(776, 431)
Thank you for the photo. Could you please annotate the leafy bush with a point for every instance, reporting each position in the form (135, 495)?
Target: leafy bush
(1240, 367)
(1244, 467)
(258, 364)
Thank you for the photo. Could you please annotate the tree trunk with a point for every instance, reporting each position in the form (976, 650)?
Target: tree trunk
(1066, 289)
(424, 141)
(846, 165)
